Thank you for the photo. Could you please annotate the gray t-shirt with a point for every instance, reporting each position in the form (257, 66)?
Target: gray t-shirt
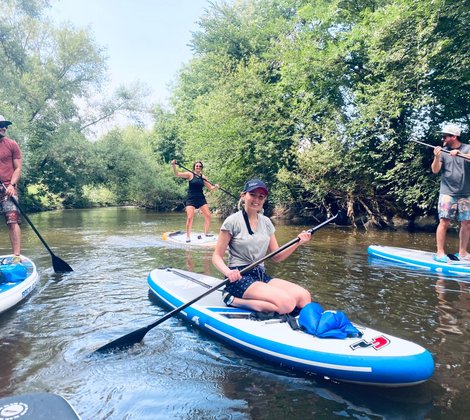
(243, 248)
(455, 174)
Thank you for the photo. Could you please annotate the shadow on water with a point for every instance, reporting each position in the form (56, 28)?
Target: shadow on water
(178, 372)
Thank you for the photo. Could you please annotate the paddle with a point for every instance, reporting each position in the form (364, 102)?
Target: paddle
(59, 265)
(138, 335)
(442, 150)
(200, 176)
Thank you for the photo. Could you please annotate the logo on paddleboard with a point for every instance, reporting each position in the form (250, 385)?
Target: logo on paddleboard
(376, 343)
(13, 410)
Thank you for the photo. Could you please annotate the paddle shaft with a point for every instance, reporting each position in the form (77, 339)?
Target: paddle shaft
(442, 150)
(55, 260)
(200, 176)
(138, 335)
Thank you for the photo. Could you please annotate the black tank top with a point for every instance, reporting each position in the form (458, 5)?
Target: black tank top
(195, 187)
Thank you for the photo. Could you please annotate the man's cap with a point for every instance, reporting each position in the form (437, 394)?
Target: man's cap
(452, 129)
(253, 184)
(3, 121)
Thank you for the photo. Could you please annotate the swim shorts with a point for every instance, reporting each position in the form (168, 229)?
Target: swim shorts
(239, 287)
(454, 208)
(196, 202)
(9, 210)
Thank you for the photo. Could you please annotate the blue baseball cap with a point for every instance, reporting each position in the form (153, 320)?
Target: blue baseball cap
(253, 184)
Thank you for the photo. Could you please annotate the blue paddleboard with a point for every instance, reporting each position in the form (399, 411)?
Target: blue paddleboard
(376, 358)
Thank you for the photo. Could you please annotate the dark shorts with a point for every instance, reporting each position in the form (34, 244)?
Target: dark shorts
(9, 210)
(196, 202)
(239, 287)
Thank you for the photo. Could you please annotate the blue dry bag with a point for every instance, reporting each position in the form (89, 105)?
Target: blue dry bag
(326, 324)
(12, 273)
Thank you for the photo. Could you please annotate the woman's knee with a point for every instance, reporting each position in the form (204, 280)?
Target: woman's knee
(304, 298)
(286, 305)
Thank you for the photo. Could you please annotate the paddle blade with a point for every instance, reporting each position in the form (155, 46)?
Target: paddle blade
(60, 266)
(125, 341)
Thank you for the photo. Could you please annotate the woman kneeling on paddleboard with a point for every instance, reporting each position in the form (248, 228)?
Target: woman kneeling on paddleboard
(248, 235)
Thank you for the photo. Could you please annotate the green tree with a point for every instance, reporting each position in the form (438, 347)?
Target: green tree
(133, 173)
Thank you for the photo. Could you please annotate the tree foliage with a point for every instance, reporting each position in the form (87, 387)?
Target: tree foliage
(322, 97)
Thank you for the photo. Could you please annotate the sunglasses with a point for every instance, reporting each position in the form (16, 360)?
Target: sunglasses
(3, 126)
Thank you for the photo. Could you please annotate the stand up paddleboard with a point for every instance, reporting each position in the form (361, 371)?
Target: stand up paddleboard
(374, 359)
(36, 406)
(197, 238)
(17, 281)
(423, 259)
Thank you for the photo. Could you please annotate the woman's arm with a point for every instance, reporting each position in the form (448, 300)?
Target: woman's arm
(273, 246)
(209, 186)
(218, 256)
(185, 175)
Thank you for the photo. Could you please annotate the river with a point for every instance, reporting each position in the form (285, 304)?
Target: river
(179, 373)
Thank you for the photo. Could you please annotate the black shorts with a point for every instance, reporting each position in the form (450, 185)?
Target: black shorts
(239, 287)
(196, 202)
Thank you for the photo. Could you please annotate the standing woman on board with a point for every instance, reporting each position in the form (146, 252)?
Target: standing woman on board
(195, 199)
(248, 235)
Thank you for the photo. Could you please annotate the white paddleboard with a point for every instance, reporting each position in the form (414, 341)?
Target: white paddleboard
(13, 292)
(417, 258)
(196, 238)
(376, 358)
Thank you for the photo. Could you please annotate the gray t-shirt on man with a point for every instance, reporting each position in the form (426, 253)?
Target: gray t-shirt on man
(455, 174)
(244, 248)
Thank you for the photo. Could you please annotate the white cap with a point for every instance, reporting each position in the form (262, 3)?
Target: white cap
(3, 121)
(451, 129)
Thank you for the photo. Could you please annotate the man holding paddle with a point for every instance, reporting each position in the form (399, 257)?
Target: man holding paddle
(454, 193)
(10, 172)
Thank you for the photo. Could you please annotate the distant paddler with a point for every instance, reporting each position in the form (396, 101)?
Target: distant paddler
(195, 198)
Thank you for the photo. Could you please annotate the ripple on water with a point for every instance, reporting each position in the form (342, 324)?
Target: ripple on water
(178, 372)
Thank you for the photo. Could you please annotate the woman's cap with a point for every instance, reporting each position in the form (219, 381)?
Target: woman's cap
(4, 122)
(253, 184)
(451, 129)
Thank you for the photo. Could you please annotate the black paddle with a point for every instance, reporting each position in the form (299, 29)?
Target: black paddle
(200, 176)
(442, 150)
(138, 335)
(59, 265)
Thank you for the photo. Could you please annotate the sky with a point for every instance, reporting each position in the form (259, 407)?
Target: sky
(145, 40)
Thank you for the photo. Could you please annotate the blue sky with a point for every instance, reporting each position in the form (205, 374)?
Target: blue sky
(145, 40)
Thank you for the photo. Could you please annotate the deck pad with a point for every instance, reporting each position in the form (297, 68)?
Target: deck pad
(196, 238)
(35, 406)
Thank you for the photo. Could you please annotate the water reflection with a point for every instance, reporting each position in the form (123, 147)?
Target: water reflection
(453, 305)
(297, 397)
(178, 372)
(453, 308)
(199, 262)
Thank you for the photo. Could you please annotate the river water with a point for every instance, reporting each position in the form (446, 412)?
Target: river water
(179, 373)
